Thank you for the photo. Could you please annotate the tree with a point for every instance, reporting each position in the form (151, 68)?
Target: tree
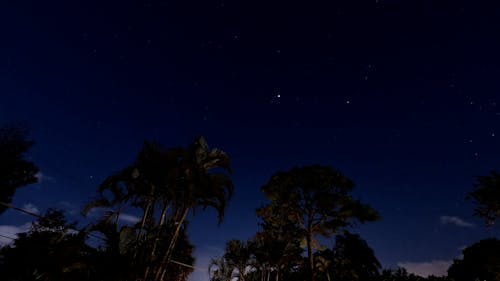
(354, 259)
(276, 247)
(486, 196)
(49, 251)
(317, 200)
(221, 269)
(168, 183)
(238, 255)
(480, 261)
(16, 171)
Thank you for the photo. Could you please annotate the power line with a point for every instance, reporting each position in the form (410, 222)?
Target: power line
(89, 234)
(20, 209)
(8, 237)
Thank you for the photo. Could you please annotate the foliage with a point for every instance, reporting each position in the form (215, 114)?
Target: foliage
(238, 255)
(276, 247)
(400, 274)
(317, 200)
(351, 259)
(16, 170)
(164, 184)
(220, 269)
(486, 195)
(481, 261)
(49, 251)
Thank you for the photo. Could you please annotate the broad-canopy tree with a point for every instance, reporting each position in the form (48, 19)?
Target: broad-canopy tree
(50, 251)
(481, 261)
(486, 196)
(353, 259)
(317, 200)
(165, 184)
(15, 170)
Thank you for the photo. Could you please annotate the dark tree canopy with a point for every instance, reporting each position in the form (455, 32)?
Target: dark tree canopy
(317, 200)
(481, 261)
(486, 195)
(164, 185)
(15, 170)
(49, 251)
(354, 259)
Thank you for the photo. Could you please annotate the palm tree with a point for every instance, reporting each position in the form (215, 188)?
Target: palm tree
(220, 269)
(203, 180)
(238, 255)
(168, 182)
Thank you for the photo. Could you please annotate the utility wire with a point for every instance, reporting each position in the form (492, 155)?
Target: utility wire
(89, 234)
(20, 209)
(8, 237)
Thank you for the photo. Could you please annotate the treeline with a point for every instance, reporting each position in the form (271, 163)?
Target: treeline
(163, 185)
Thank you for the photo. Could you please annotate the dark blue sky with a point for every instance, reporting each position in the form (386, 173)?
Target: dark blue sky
(402, 96)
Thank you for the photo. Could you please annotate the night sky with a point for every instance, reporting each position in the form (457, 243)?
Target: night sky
(401, 96)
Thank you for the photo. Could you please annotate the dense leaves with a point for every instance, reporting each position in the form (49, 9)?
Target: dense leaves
(49, 251)
(351, 259)
(16, 171)
(480, 261)
(164, 185)
(317, 200)
(486, 195)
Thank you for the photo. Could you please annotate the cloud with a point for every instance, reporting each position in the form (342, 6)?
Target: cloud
(455, 221)
(129, 218)
(69, 207)
(41, 177)
(11, 231)
(424, 269)
(31, 208)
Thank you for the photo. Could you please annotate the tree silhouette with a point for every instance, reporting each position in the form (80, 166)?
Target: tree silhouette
(353, 259)
(481, 261)
(221, 269)
(276, 247)
(317, 200)
(16, 171)
(49, 251)
(486, 195)
(238, 255)
(168, 182)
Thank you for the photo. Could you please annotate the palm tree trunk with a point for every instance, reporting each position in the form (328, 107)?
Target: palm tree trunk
(160, 223)
(163, 214)
(143, 221)
(241, 273)
(146, 212)
(166, 258)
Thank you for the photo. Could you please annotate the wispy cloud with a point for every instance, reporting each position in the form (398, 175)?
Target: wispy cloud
(128, 218)
(69, 207)
(455, 221)
(41, 177)
(31, 208)
(424, 269)
(11, 231)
